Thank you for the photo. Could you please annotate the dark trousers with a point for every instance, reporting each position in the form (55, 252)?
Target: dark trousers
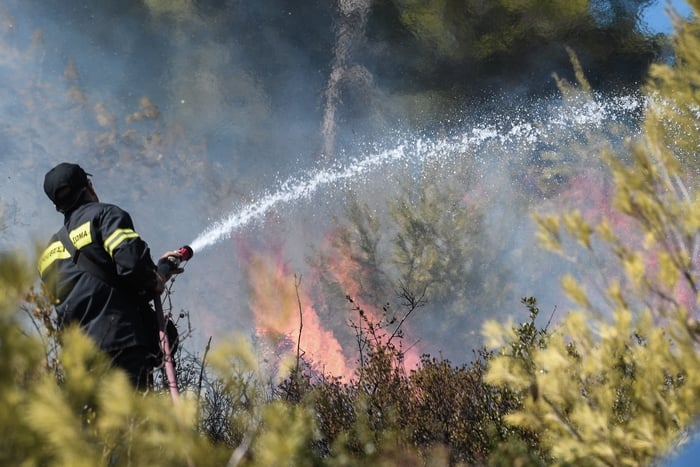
(138, 363)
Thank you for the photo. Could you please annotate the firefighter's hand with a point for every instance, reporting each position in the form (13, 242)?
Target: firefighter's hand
(173, 269)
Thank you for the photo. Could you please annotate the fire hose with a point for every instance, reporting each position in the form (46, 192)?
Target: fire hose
(165, 267)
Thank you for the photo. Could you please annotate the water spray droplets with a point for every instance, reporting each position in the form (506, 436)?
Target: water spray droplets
(526, 128)
(291, 191)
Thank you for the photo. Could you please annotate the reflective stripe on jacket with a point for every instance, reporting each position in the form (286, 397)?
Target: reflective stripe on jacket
(116, 315)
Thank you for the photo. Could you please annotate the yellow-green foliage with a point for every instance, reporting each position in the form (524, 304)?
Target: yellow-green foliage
(616, 393)
(95, 417)
(617, 384)
(91, 416)
(287, 431)
(270, 432)
(677, 86)
(19, 366)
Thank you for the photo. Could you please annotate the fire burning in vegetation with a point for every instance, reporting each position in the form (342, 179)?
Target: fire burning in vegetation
(284, 312)
(347, 272)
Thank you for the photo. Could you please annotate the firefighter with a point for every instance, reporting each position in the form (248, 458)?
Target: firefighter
(100, 272)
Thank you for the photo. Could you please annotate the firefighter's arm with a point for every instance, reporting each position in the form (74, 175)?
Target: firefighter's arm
(129, 252)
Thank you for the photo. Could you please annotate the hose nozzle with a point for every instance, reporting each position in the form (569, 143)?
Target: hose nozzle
(186, 252)
(172, 262)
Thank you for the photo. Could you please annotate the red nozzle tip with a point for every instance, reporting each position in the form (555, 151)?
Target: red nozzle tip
(186, 253)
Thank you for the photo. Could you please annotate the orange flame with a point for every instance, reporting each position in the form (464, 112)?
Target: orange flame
(350, 275)
(282, 307)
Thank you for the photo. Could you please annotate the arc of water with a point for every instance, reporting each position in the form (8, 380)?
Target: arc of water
(517, 131)
(292, 191)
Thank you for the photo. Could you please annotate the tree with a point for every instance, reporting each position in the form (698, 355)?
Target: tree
(432, 240)
(447, 39)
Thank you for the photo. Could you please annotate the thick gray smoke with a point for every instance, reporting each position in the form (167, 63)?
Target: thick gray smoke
(191, 116)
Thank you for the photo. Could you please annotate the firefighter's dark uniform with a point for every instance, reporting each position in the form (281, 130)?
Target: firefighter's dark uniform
(115, 311)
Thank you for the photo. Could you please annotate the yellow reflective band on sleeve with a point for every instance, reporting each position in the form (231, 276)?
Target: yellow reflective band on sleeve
(116, 238)
(81, 236)
(53, 252)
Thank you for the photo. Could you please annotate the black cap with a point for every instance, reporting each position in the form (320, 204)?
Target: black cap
(69, 176)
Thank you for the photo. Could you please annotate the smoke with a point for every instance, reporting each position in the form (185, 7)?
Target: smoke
(205, 119)
(544, 157)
